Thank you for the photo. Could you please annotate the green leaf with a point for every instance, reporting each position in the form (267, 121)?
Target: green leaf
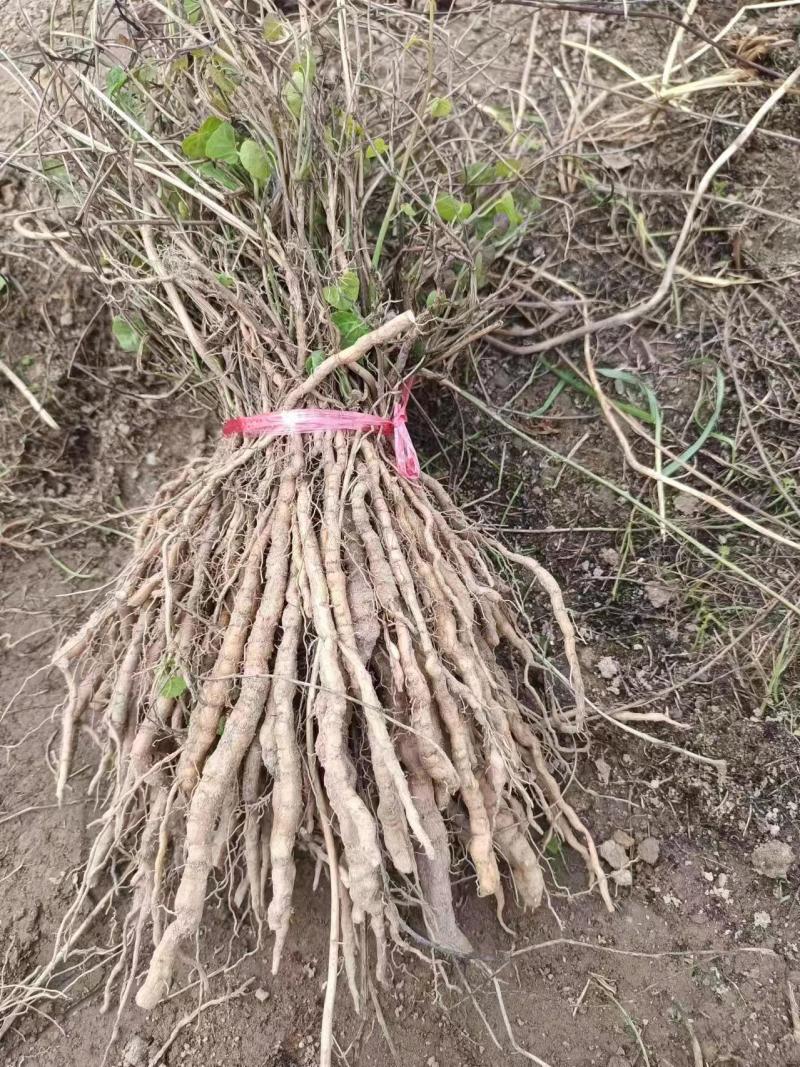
(332, 295)
(349, 286)
(478, 173)
(216, 174)
(554, 847)
(224, 78)
(689, 453)
(147, 73)
(194, 146)
(440, 107)
(506, 169)
(505, 205)
(227, 280)
(255, 160)
(307, 67)
(344, 384)
(350, 326)
(452, 210)
(192, 9)
(126, 335)
(174, 687)
(115, 79)
(378, 147)
(343, 295)
(314, 360)
(293, 92)
(407, 209)
(482, 226)
(3, 283)
(221, 144)
(274, 30)
(221, 725)
(432, 299)
(351, 127)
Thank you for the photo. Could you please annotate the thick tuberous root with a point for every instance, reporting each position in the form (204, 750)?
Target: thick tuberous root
(308, 651)
(341, 605)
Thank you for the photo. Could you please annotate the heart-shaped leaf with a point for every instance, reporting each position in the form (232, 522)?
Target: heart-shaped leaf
(450, 209)
(314, 360)
(350, 326)
(174, 687)
(440, 107)
(274, 30)
(194, 146)
(221, 144)
(255, 160)
(349, 286)
(378, 147)
(126, 335)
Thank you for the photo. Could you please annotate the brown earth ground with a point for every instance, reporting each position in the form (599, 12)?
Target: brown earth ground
(697, 962)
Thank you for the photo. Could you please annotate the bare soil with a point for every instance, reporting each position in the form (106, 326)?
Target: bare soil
(701, 944)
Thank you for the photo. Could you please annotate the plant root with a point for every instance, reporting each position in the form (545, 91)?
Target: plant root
(355, 609)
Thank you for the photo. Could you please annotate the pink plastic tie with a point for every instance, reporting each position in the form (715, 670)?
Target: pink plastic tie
(312, 420)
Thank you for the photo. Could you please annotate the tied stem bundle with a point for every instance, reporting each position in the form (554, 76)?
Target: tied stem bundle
(305, 652)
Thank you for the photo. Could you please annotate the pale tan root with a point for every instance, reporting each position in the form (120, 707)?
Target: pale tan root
(281, 756)
(266, 833)
(520, 857)
(330, 708)
(146, 590)
(410, 677)
(360, 597)
(462, 755)
(118, 704)
(153, 725)
(476, 688)
(157, 909)
(348, 943)
(561, 615)
(223, 763)
(346, 604)
(204, 721)
(79, 696)
(225, 824)
(434, 871)
(390, 814)
(573, 819)
(394, 797)
(253, 815)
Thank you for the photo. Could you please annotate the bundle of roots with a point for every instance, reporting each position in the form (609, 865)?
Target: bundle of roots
(307, 652)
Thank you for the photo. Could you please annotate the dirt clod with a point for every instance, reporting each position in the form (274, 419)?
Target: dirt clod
(608, 667)
(135, 1054)
(649, 850)
(603, 771)
(773, 859)
(622, 837)
(685, 504)
(658, 594)
(613, 853)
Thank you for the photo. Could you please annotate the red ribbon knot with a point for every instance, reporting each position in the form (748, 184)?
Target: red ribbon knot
(314, 420)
